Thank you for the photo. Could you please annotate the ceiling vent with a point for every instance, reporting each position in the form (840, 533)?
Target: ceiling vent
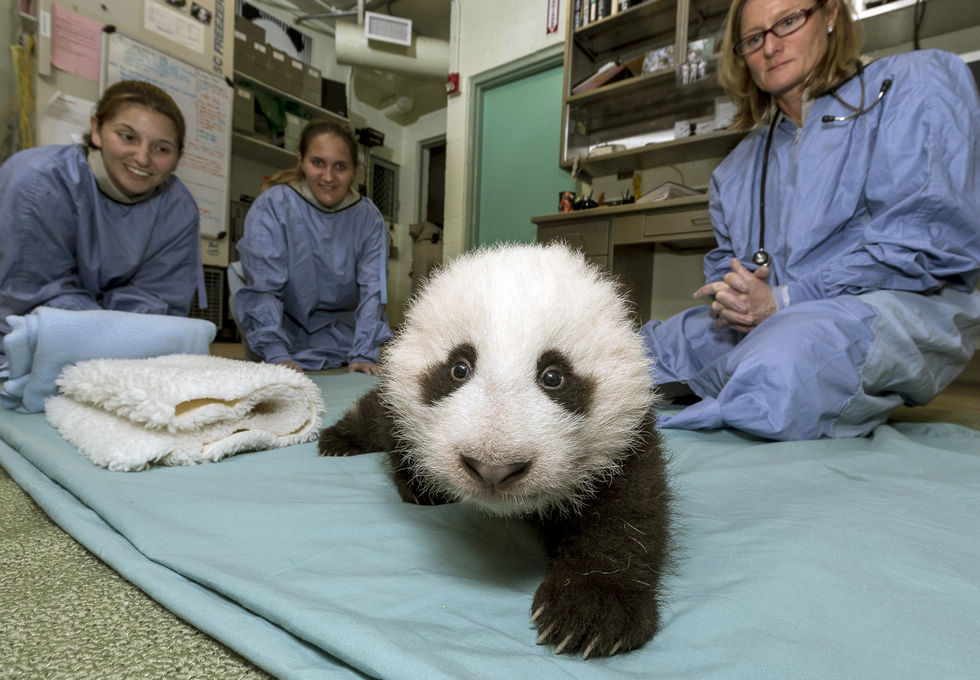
(387, 28)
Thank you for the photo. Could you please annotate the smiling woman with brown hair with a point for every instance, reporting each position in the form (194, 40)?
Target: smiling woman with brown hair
(104, 225)
(313, 261)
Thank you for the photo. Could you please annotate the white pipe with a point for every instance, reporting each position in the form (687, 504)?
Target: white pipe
(430, 58)
(397, 105)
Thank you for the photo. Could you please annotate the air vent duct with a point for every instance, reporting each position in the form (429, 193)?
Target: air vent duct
(427, 57)
(387, 28)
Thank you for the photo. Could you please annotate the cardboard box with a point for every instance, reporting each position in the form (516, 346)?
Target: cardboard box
(250, 49)
(259, 61)
(277, 68)
(297, 78)
(243, 110)
(242, 47)
(253, 32)
(251, 60)
(311, 85)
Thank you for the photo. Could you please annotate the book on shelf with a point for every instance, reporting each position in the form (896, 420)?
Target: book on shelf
(590, 11)
(610, 72)
(607, 73)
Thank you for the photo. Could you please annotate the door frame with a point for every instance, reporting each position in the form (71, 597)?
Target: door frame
(542, 60)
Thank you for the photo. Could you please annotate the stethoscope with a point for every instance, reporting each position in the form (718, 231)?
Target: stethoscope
(761, 258)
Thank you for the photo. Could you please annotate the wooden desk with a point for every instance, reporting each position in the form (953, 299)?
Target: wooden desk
(655, 249)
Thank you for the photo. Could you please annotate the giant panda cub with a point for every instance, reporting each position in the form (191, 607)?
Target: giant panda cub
(519, 385)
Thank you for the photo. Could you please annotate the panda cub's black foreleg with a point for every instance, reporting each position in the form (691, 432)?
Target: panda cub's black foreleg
(601, 595)
(365, 428)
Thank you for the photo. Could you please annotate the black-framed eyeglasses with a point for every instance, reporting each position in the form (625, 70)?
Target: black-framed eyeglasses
(788, 25)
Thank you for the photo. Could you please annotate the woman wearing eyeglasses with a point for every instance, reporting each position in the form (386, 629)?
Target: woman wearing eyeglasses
(848, 230)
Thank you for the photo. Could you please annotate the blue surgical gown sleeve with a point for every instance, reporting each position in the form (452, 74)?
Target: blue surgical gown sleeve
(37, 262)
(370, 324)
(921, 228)
(717, 262)
(265, 259)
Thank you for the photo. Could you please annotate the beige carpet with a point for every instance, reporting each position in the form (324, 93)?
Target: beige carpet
(66, 614)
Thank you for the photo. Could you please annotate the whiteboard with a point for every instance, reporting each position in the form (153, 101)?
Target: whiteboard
(205, 100)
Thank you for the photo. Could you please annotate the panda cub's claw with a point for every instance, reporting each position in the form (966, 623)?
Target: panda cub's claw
(580, 616)
(544, 638)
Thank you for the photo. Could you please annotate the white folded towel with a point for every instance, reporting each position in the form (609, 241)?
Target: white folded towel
(181, 409)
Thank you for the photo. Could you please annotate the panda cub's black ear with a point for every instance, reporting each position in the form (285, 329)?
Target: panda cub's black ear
(559, 381)
(444, 378)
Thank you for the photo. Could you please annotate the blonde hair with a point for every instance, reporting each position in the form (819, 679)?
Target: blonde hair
(838, 63)
(137, 92)
(314, 128)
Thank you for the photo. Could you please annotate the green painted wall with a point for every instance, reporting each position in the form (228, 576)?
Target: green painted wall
(519, 173)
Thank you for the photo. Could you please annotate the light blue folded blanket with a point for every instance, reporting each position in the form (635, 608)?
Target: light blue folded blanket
(42, 343)
(827, 560)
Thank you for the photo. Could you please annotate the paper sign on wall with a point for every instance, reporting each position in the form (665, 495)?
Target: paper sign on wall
(76, 43)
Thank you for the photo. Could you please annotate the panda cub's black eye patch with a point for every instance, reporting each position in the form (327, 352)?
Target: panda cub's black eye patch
(442, 379)
(562, 385)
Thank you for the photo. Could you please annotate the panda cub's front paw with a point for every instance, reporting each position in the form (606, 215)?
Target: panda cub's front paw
(593, 615)
(335, 442)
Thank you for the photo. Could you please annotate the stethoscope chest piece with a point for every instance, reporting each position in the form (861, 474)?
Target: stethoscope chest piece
(761, 258)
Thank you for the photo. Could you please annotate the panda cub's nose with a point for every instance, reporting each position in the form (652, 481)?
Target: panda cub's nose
(495, 475)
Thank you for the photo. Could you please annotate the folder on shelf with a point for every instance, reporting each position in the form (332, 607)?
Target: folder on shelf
(668, 190)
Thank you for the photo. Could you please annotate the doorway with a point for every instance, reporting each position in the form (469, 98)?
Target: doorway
(516, 122)
(432, 190)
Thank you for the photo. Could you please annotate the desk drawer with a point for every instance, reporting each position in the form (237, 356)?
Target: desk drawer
(676, 222)
(592, 237)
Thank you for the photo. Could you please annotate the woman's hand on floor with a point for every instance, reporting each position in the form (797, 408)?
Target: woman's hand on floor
(364, 367)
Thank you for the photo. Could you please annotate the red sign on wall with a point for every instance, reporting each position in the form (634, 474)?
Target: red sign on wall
(552, 23)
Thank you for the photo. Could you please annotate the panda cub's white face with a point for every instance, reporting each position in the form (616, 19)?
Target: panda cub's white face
(518, 381)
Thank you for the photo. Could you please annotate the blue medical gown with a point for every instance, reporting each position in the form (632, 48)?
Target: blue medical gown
(65, 244)
(315, 281)
(873, 225)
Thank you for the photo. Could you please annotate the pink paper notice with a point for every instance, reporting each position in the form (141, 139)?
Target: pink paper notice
(76, 43)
